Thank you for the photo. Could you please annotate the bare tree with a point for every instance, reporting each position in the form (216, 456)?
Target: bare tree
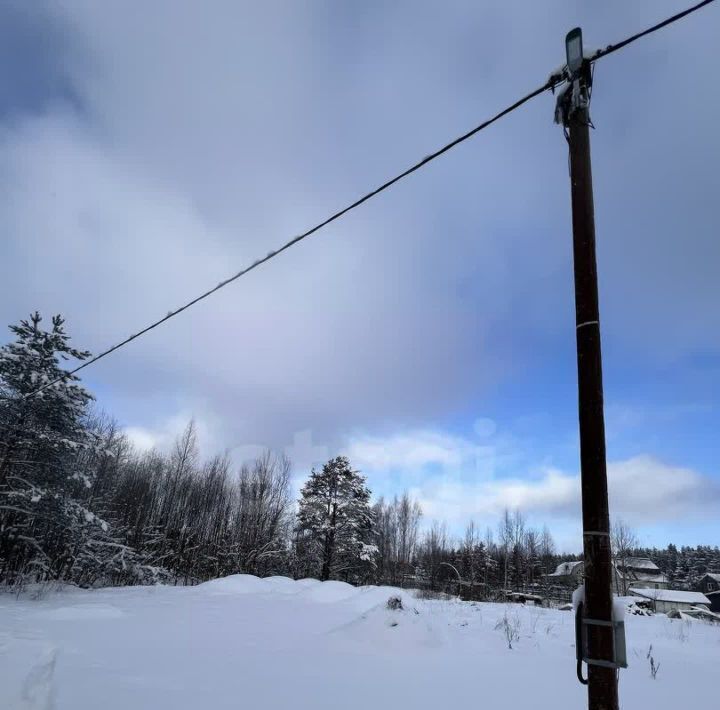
(435, 551)
(408, 514)
(532, 554)
(547, 551)
(397, 528)
(623, 540)
(511, 533)
(261, 511)
(469, 552)
(547, 544)
(505, 536)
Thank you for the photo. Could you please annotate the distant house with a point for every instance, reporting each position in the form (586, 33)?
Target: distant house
(709, 582)
(665, 600)
(709, 585)
(627, 572)
(567, 573)
(639, 572)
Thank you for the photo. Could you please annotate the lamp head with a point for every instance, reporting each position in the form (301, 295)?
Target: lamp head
(574, 51)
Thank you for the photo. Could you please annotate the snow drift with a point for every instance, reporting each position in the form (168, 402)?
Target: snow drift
(275, 643)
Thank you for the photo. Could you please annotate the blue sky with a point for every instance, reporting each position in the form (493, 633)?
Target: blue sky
(150, 150)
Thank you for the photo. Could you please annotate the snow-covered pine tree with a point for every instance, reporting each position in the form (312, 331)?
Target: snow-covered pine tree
(41, 518)
(699, 565)
(335, 521)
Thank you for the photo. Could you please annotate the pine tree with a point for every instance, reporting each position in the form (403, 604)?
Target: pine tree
(42, 476)
(671, 562)
(335, 521)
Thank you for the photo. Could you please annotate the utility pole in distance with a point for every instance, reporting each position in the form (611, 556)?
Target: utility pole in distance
(596, 632)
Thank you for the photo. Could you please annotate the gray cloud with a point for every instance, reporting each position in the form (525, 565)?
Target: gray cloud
(208, 136)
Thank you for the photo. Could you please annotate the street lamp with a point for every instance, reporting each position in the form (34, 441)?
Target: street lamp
(574, 51)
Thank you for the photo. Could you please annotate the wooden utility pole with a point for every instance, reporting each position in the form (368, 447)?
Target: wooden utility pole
(597, 611)
(602, 681)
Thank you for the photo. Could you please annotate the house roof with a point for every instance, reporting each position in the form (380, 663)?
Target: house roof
(639, 563)
(712, 575)
(566, 568)
(672, 595)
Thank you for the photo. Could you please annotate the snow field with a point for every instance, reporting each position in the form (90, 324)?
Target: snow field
(244, 642)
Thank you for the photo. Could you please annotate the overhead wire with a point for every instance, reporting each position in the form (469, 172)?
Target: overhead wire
(669, 21)
(271, 255)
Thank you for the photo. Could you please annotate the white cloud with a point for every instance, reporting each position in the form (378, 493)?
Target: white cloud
(456, 480)
(162, 434)
(643, 490)
(142, 439)
(459, 501)
(646, 490)
(404, 458)
(413, 451)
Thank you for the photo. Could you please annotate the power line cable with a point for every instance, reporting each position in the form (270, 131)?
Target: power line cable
(551, 83)
(669, 21)
(427, 159)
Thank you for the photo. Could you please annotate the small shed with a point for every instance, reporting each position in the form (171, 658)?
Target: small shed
(714, 598)
(709, 582)
(709, 585)
(665, 600)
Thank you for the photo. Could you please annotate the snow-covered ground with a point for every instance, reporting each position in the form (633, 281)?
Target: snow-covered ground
(243, 642)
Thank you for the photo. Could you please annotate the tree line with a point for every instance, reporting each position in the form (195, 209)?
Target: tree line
(79, 504)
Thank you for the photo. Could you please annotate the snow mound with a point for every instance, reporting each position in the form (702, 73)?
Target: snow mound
(309, 589)
(281, 585)
(388, 631)
(361, 598)
(330, 592)
(233, 584)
